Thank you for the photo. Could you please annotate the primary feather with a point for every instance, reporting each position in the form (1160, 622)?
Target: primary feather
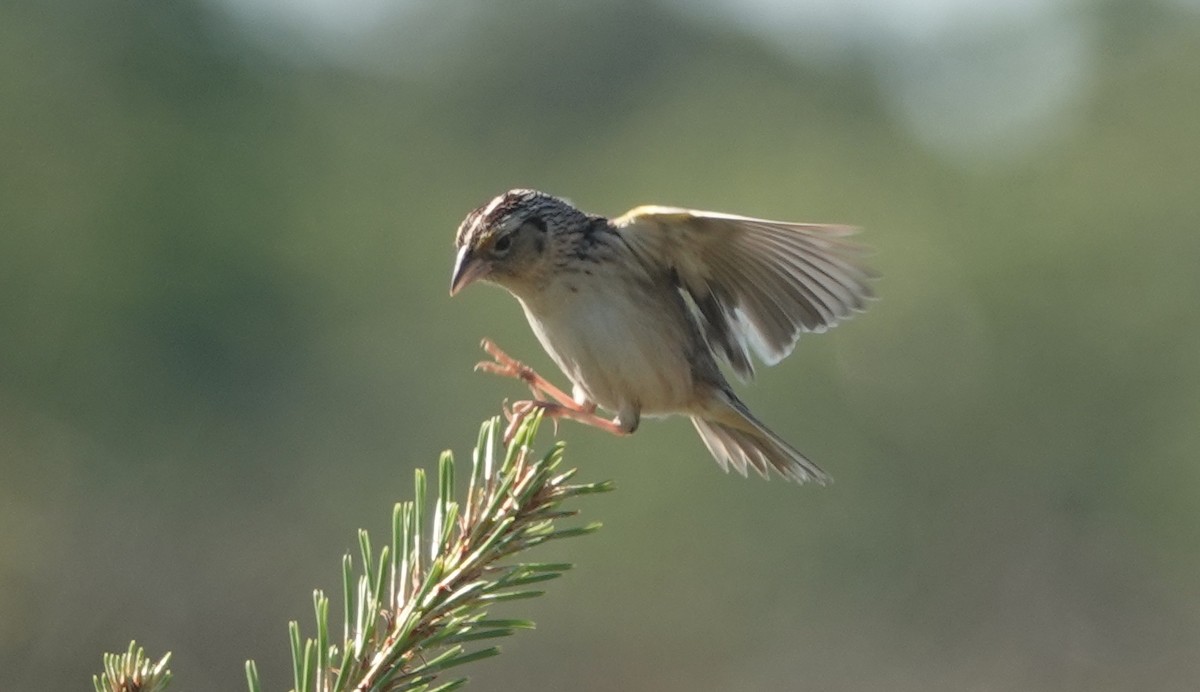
(756, 285)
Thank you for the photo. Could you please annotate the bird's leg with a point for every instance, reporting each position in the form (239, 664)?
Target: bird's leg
(555, 412)
(562, 406)
(506, 366)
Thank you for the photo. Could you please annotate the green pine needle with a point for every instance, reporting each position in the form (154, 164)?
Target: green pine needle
(133, 672)
(414, 608)
(419, 606)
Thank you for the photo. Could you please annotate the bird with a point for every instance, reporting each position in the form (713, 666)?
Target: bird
(640, 311)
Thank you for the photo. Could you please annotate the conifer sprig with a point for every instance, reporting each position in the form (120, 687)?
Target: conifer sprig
(419, 606)
(133, 672)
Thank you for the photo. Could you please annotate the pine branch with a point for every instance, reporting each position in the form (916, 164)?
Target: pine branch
(418, 609)
(419, 606)
(133, 672)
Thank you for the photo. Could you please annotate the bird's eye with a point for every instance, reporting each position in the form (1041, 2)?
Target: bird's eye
(502, 244)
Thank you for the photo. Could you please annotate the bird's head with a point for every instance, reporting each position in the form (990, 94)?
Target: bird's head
(506, 241)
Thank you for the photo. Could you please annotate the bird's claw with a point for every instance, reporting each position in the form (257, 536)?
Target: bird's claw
(505, 365)
(523, 409)
(520, 410)
(552, 401)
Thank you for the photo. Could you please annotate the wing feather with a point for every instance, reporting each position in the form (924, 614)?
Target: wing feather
(832, 276)
(757, 285)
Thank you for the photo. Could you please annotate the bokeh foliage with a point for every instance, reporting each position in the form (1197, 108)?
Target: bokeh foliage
(224, 316)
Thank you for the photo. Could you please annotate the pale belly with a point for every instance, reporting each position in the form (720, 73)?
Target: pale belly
(620, 355)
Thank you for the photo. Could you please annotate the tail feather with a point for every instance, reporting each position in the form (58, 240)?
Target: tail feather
(740, 440)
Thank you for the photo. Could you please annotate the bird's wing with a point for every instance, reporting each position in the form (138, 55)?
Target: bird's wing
(754, 284)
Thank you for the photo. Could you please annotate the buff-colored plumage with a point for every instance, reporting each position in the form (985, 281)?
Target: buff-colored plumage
(637, 310)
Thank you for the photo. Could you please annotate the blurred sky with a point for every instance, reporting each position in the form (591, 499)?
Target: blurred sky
(225, 339)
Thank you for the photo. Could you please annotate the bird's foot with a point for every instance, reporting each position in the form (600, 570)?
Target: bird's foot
(556, 412)
(518, 412)
(505, 365)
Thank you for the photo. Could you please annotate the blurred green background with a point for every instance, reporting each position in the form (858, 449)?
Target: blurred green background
(226, 340)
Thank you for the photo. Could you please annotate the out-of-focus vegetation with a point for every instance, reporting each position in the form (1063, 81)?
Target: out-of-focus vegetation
(225, 341)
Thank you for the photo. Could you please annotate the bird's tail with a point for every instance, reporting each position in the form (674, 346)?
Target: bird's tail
(736, 438)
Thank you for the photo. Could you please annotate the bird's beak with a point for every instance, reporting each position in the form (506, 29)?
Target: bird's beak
(467, 268)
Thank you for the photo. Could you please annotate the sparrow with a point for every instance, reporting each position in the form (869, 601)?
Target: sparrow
(638, 311)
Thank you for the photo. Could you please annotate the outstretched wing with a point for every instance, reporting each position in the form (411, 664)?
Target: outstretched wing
(755, 284)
